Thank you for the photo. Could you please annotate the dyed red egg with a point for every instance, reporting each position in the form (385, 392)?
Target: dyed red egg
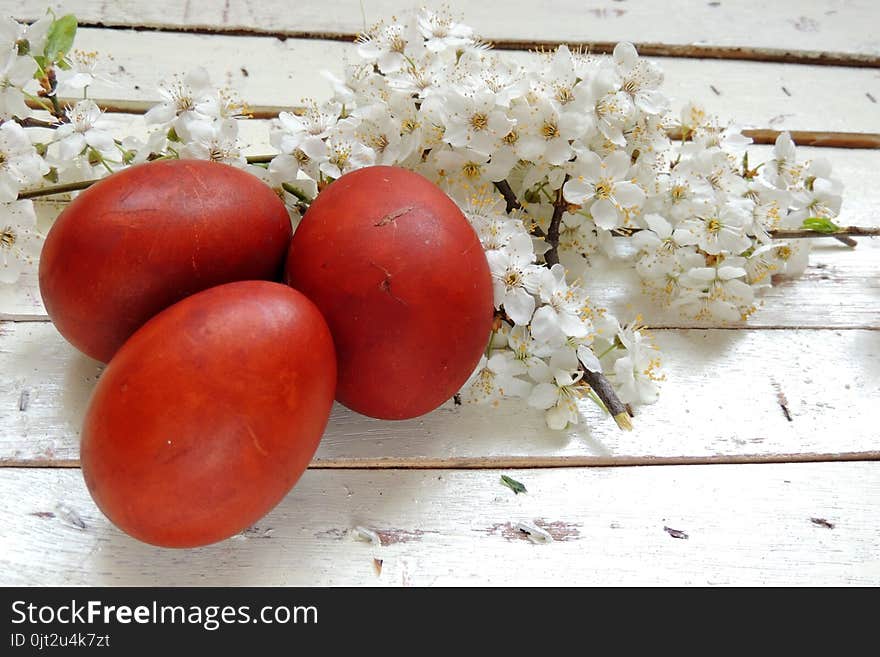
(149, 236)
(209, 414)
(403, 282)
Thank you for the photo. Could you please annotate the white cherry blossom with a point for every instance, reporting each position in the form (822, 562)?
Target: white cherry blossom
(20, 243)
(20, 165)
(603, 185)
(83, 130)
(511, 268)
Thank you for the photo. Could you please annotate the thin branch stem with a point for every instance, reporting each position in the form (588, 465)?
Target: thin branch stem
(52, 190)
(513, 204)
(853, 231)
(30, 122)
(600, 384)
(58, 189)
(844, 234)
(559, 205)
(509, 197)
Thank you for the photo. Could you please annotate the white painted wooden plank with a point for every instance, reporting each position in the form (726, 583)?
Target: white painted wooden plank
(841, 288)
(722, 400)
(745, 525)
(831, 25)
(282, 73)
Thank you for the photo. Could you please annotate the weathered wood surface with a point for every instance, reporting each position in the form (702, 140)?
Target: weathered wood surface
(788, 524)
(847, 26)
(728, 396)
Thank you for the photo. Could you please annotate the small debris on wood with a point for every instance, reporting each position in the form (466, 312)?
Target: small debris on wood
(782, 400)
(392, 536)
(42, 514)
(244, 72)
(255, 532)
(366, 535)
(69, 516)
(821, 522)
(513, 485)
(24, 400)
(714, 90)
(534, 533)
(559, 530)
(456, 399)
(870, 97)
(675, 533)
(786, 91)
(377, 566)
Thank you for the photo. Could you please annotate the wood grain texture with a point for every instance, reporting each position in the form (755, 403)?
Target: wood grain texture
(834, 26)
(728, 395)
(271, 75)
(672, 525)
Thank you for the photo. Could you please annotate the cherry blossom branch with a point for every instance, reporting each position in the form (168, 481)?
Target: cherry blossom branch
(52, 190)
(844, 234)
(597, 381)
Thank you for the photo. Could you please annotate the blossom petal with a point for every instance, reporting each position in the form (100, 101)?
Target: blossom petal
(544, 395)
(558, 417)
(628, 194)
(605, 214)
(588, 359)
(519, 305)
(617, 165)
(577, 191)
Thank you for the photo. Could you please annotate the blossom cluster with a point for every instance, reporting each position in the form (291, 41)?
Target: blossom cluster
(553, 158)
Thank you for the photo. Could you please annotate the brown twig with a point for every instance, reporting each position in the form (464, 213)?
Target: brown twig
(30, 122)
(58, 189)
(853, 231)
(559, 205)
(605, 391)
(513, 204)
(509, 197)
(845, 234)
(52, 190)
(817, 138)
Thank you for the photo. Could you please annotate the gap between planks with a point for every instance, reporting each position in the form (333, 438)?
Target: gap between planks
(684, 51)
(532, 463)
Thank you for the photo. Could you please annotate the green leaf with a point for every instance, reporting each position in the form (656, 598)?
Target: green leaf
(59, 40)
(820, 225)
(513, 484)
(42, 65)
